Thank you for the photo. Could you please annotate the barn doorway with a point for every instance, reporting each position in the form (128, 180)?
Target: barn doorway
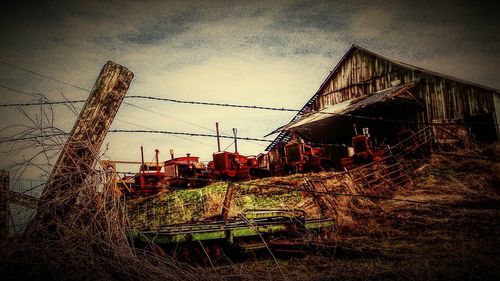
(482, 128)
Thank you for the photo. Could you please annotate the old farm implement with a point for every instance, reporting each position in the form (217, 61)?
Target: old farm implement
(183, 172)
(178, 172)
(231, 166)
(301, 157)
(254, 230)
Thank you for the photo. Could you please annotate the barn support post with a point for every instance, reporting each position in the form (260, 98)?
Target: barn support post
(226, 206)
(81, 151)
(496, 119)
(4, 205)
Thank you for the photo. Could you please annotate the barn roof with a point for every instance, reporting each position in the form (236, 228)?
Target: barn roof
(285, 136)
(410, 67)
(348, 106)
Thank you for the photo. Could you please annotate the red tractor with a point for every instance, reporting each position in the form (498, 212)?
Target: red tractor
(231, 165)
(185, 171)
(301, 157)
(180, 172)
(363, 152)
(150, 178)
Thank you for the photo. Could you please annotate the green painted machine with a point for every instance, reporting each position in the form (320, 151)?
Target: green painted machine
(255, 229)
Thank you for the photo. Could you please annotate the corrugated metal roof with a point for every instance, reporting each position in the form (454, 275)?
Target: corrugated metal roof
(348, 106)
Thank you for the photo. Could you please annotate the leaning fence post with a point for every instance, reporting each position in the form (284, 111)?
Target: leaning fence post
(81, 151)
(4, 205)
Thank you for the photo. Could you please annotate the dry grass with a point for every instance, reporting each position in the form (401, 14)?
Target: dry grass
(80, 234)
(453, 237)
(443, 227)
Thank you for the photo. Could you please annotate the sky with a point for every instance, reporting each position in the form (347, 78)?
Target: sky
(267, 53)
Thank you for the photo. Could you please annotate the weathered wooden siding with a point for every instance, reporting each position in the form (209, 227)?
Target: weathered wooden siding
(359, 74)
(496, 104)
(444, 99)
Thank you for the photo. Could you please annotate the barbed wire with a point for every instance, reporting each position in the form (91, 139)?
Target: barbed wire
(143, 97)
(363, 117)
(195, 134)
(44, 76)
(201, 102)
(213, 103)
(137, 131)
(185, 134)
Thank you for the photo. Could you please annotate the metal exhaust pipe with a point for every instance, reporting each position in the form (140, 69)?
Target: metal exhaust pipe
(235, 140)
(218, 137)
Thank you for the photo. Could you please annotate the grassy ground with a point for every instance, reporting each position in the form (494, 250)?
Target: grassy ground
(445, 225)
(453, 234)
(172, 207)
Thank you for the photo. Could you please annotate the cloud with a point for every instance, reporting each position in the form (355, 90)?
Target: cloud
(248, 52)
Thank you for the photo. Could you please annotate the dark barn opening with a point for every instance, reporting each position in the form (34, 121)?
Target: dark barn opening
(482, 127)
(385, 122)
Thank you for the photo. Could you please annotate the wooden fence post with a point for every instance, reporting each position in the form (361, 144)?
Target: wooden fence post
(226, 206)
(4, 205)
(81, 151)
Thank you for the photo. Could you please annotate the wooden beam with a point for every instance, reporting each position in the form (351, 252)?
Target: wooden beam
(4, 205)
(24, 200)
(81, 151)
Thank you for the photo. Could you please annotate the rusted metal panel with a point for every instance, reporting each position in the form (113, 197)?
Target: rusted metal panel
(333, 111)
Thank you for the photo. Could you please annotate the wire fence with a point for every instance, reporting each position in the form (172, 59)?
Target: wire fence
(254, 107)
(32, 188)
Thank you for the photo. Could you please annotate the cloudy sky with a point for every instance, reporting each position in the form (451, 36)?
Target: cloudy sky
(270, 53)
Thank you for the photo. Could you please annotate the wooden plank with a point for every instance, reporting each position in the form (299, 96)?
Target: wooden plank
(4, 205)
(81, 151)
(24, 200)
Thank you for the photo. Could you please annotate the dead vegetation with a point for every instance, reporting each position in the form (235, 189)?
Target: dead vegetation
(79, 232)
(89, 244)
(444, 226)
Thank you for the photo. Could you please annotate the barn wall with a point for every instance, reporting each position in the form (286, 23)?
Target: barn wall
(444, 100)
(496, 102)
(360, 73)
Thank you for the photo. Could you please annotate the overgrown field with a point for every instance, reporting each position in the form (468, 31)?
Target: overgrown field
(202, 204)
(444, 225)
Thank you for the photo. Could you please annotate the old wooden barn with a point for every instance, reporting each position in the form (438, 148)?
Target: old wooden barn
(387, 97)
